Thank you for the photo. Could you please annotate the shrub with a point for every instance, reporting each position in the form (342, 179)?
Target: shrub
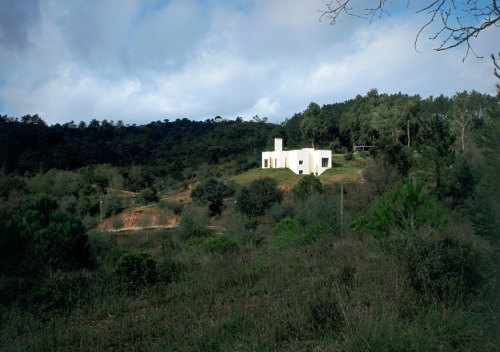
(211, 191)
(380, 175)
(113, 256)
(57, 239)
(446, 269)
(68, 203)
(146, 196)
(175, 206)
(112, 204)
(287, 232)
(135, 271)
(319, 209)
(258, 196)
(325, 315)
(307, 186)
(220, 244)
(59, 292)
(12, 244)
(192, 223)
(99, 244)
(349, 156)
(405, 210)
(170, 248)
(280, 211)
(169, 270)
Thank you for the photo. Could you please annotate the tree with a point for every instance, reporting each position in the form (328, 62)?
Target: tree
(12, 244)
(357, 121)
(436, 140)
(211, 191)
(460, 21)
(307, 186)
(467, 108)
(56, 239)
(313, 128)
(259, 195)
(405, 210)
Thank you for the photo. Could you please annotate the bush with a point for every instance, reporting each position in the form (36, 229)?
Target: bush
(99, 244)
(175, 206)
(57, 239)
(135, 271)
(146, 196)
(405, 210)
(192, 223)
(446, 269)
(325, 316)
(280, 211)
(211, 191)
(12, 244)
(319, 209)
(113, 256)
(89, 222)
(170, 248)
(307, 186)
(169, 270)
(349, 156)
(68, 204)
(112, 204)
(258, 196)
(60, 292)
(286, 233)
(220, 244)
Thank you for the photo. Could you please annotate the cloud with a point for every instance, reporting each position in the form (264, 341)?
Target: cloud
(15, 19)
(149, 60)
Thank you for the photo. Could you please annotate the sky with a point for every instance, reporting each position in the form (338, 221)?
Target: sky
(147, 60)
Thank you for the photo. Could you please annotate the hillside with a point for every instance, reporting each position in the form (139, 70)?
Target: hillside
(395, 249)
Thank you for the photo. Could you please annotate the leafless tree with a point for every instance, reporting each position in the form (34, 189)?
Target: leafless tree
(496, 70)
(460, 20)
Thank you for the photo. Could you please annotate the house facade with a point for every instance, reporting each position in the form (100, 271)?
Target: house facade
(304, 161)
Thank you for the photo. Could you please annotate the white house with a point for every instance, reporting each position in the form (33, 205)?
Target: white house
(305, 161)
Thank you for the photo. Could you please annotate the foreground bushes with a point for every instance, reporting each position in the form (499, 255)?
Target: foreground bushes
(136, 271)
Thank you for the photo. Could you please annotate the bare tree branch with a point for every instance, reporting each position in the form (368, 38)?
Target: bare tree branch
(460, 20)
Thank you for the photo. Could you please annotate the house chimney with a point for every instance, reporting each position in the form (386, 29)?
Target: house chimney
(278, 144)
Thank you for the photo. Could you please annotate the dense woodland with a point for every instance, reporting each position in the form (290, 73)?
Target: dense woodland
(405, 257)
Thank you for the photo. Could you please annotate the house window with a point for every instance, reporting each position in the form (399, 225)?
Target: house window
(324, 162)
(300, 162)
(265, 163)
(301, 171)
(275, 163)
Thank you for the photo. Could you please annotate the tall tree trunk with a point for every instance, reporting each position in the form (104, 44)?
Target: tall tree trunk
(463, 137)
(408, 131)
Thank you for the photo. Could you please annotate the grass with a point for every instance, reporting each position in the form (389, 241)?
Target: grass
(342, 170)
(146, 240)
(335, 294)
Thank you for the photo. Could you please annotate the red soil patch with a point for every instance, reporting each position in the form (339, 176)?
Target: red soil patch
(142, 217)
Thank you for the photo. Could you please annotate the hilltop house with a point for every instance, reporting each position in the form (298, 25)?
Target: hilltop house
(305, 161)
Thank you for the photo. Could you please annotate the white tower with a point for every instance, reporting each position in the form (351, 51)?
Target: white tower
(278, 144)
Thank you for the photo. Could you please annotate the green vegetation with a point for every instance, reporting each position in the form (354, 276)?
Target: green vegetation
(307, 186)
(258, 196)
(394, 249)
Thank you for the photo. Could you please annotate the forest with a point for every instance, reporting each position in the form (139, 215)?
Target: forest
(396, 248)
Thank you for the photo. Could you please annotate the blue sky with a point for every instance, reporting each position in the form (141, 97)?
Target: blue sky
(144, 60)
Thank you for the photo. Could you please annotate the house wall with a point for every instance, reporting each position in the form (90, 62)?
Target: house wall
(318, 156)
(267, 156)
(295, 157)
(311, 159)
(275, 159)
